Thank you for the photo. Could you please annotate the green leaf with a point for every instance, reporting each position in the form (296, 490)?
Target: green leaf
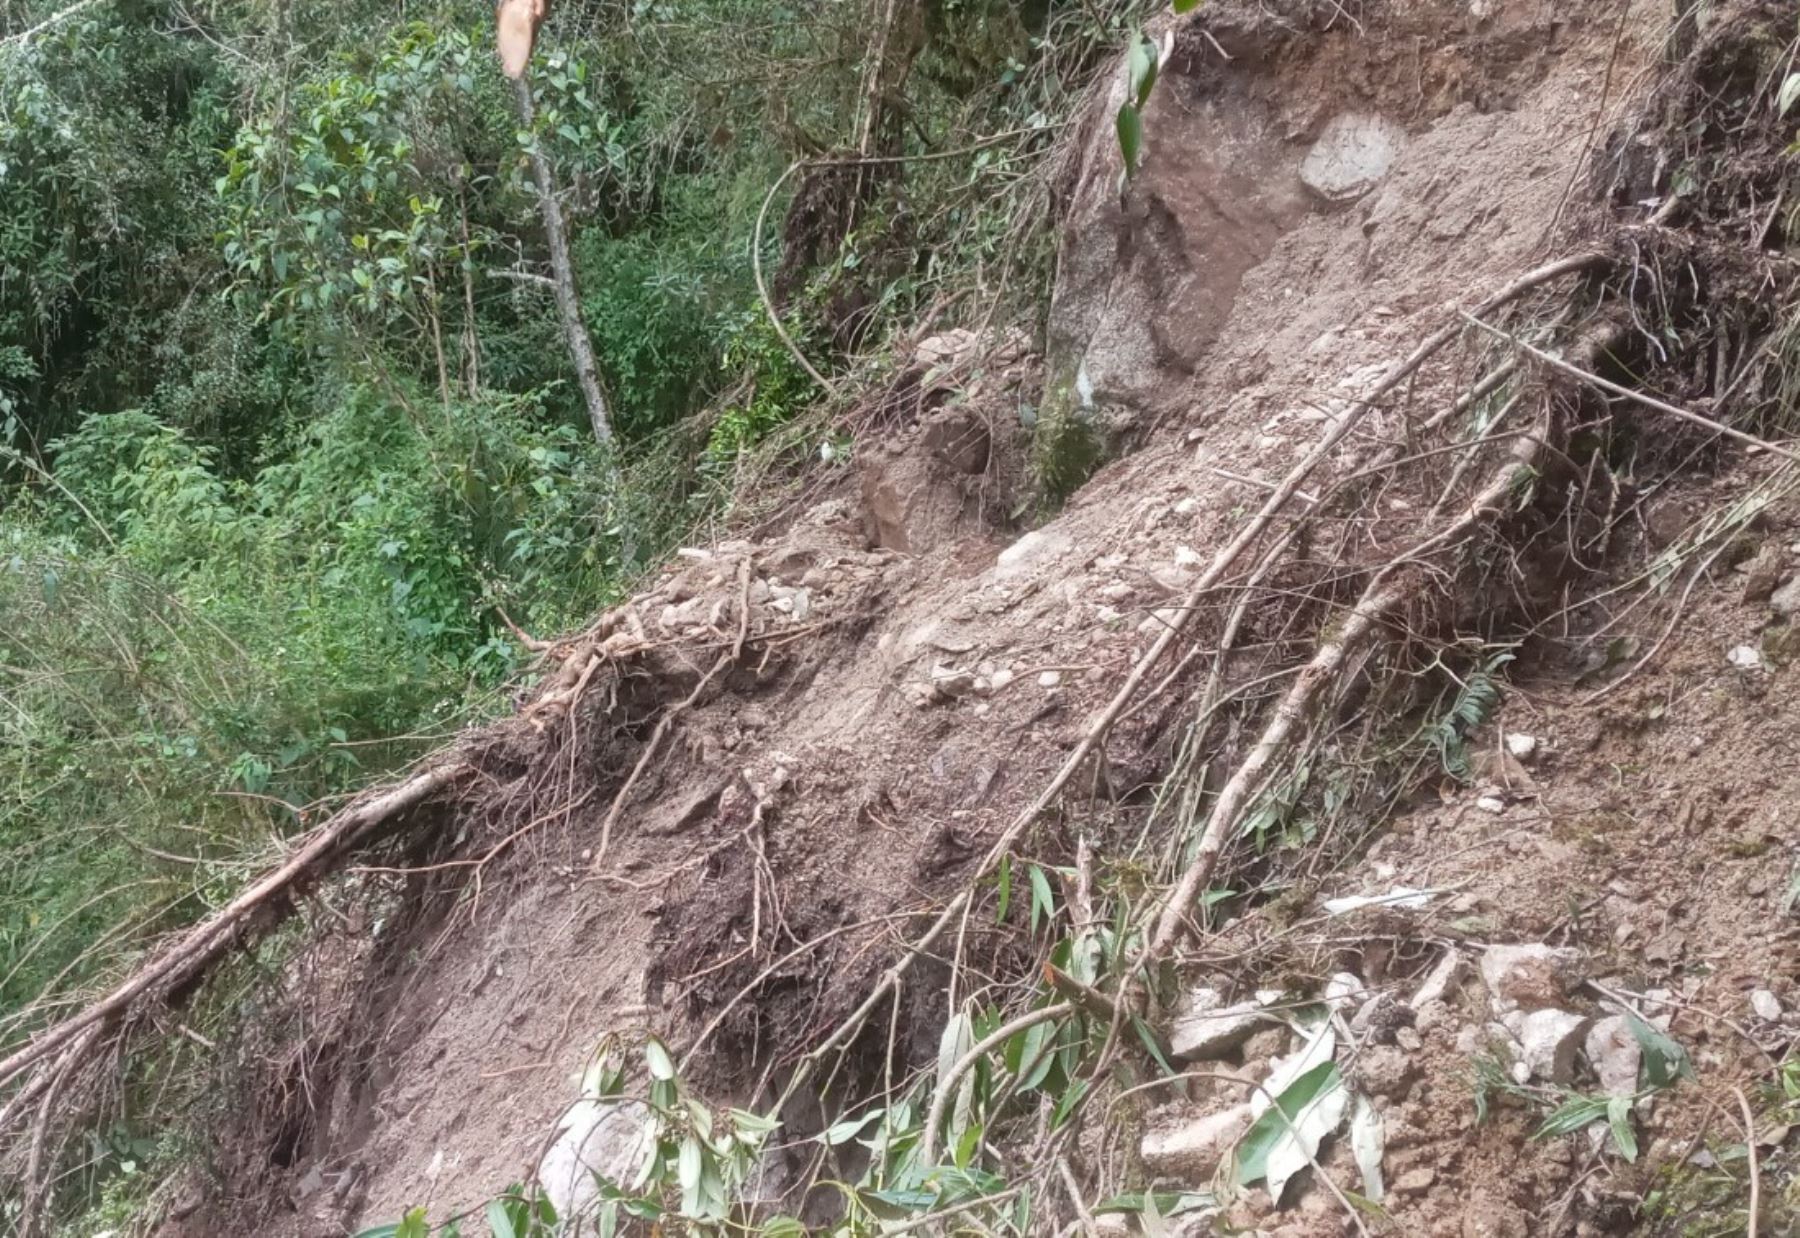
(1167, 1203)
(499, 1219)
(1148, 1036)
(1070, 1099)
(1043, 901)
(1005, 879)
(848, 1129)
(1618, 1117)
(783, 1227)
(1664, 1060)
(1287, 1120)
(662, 1066)
(1184, 6)
(1575, 1113)
(1131, 136)
(1790, 91)
(1037, 1054)
(1140, 62)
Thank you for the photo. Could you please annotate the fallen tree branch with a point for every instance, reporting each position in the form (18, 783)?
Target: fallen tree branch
(199, 946)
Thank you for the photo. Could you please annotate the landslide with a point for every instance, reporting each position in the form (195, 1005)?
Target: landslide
(1344, 332)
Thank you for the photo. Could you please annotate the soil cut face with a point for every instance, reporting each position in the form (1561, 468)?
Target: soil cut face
(733, 802)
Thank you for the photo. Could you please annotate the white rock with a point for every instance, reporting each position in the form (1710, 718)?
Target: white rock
(1036, 550)
(1352, 154)
(1000, 678)
(1438, 980)
(1744, 657)
(1205, 1028)
(608, 1138)
(1785, 601)
(1187, 556)
(1521, 745)
(1533, 976)
(1766, 1005)
(1491, 803)
(1191, 1149)
(1548, 1040)
(1343, 989)
(1049, 679)
(1614, 1054)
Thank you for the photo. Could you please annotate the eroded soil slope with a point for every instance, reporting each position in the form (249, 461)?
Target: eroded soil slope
(735, 797)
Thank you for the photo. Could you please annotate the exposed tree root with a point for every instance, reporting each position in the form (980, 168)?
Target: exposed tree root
(1101, 723)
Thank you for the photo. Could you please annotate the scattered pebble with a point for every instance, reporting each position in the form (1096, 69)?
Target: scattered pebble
(1049, 679)
(1766, 1005)
(1521, 745)
(1744, 657)
(1490, 803)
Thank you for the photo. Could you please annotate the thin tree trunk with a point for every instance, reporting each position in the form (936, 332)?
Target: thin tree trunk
(581, 349)
(471, 341)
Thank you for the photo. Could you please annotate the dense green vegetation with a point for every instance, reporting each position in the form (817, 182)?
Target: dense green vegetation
(289, 430)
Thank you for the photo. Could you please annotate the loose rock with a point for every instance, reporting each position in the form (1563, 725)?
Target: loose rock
(1766, 1005)
(1548, 1040)
(1206, 1029)
(1763, 573)
(1614, 1054)
(1531, 977)
(1785, 601)
(1178, 1144)
(1384, 1070)
(1414, 1181)
(605, 1138)
(1439, 980)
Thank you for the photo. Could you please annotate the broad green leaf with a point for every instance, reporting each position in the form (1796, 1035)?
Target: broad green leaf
(662, 1066)
(1043, 901)
(1368, 1144)
(1284, 1139)
(1575, 1113)
(1664, 1060)
(1790, 91)
(688, 1163)
(1131, 136)
(1036, 1055)
(1167, 1203)
(957, 1039)
(1141, 69)
(1005, 879)
(1066, 1106)
(848, 1129)
(1184, 6)
(1148, 1036)
(1618, 1118)
(783, 1227)
(500, 1219)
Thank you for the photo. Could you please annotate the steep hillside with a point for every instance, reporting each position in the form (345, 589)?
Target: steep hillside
(1369, 786)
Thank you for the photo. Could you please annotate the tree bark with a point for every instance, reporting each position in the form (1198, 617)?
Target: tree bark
(568, 303)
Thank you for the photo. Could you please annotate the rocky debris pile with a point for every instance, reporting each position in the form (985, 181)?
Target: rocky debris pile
(1368, 1076)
